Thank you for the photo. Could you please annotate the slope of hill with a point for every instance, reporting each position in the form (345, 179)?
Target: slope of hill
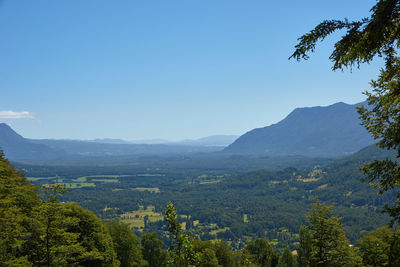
(317, 131)
(18, 148)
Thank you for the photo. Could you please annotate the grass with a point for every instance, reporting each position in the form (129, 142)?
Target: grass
(150, 189)
(215, 232)
(210, 182)
(308, 180)
(105, 180)
(322, 186)
(135, 219)
(75, 185)
(40, 178)
(273, 182)
(148, 175)
(80, 179)
(134, 223)
(105, 176)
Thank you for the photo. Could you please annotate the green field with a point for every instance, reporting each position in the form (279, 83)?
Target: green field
(150, 189)
(75, 185)
(135, 219)
(40, 178)
(210, 182)
(105, 180)
(215, 232)
(80, 179)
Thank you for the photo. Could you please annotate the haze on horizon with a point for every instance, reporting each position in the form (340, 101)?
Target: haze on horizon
(172, 70)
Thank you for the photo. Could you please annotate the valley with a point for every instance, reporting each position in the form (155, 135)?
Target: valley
(225, 202)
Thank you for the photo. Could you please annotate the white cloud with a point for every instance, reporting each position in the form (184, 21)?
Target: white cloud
(8, 114)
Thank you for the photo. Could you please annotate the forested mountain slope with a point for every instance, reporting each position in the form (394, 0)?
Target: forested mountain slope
(316, 131)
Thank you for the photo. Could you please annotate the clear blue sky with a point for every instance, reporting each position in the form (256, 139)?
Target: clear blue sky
(171, 69)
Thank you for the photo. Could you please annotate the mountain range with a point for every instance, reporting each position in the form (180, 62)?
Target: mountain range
(333, 130)
(329, 131)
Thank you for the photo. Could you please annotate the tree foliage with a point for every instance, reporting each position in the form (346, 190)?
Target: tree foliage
(287, 259)
(152, 250)
(182, 252)
(35, 232)
(380, 247)
(261, 253)
(126, 244)
(325, 242)
(376, 35)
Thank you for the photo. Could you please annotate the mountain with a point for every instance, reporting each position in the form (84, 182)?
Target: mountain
(334, 130)
(110, 141)
(213, 140)
(18, 148)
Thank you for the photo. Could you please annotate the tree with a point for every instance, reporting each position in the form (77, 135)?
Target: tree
(46, 232)
(377, 35)
(94, 237)
(66, 234)
(380, 247)
(207, 258)
(17, 200)
(181, 253)
(329, 245)
(152, 250)
(126, 244)
(304, 248)
(223, 253)
(287, 259)
(262, 253)
(374, 251)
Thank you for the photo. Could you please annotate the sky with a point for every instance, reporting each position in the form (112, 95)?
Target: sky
(134, 69)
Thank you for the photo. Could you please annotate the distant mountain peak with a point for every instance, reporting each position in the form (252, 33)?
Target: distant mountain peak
(313, 131)
(7, 133)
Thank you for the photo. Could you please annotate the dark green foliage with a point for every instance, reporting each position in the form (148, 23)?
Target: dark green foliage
(207, 258)
(182, 252)
(305, 247)
(152, 250)
(287, 259)
(94, 237)
(380, 247)
(224, 254)
(47, 232)
(126, 244)
(329, 245)
(260, 252)
(17, 199)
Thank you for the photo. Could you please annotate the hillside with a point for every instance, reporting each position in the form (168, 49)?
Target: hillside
(334, 130)
(17, 147)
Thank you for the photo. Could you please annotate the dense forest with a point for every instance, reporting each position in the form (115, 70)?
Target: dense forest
(221, 201)
(37, 229)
